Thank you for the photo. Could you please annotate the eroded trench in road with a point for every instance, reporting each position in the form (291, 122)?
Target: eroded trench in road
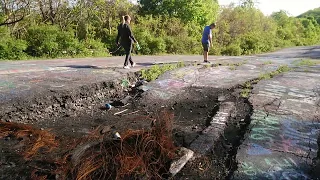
(88, 141)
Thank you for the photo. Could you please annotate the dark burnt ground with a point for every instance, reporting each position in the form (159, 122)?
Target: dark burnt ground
(219, 163)
(74, 115)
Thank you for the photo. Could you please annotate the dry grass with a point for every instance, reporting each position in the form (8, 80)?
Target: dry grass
(138, 154)
(32, 139)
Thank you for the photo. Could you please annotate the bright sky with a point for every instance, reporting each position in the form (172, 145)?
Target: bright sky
(293, 7)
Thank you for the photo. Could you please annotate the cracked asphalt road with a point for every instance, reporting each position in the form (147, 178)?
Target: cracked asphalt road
(282, 140)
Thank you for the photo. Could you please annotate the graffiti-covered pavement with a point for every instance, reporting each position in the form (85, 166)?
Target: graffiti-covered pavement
(281, 141)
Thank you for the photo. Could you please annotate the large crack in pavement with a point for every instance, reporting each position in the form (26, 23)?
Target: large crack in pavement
(232, 136)
(59, 103)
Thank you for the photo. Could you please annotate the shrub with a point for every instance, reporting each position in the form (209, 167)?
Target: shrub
(42, 41)
(233, 49)
(12, 49)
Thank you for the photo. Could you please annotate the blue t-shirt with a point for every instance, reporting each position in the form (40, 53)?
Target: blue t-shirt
(205, 34)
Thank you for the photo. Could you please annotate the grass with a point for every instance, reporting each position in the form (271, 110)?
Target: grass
(306, 62)
(155, 71)
(246, 88)
(267, 62)
(232, 68)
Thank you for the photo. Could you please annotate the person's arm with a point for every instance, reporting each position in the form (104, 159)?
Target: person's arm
(118, 36)
(131, 34)
(210, 38)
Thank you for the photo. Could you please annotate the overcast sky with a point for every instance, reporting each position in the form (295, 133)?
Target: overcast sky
(293, 7)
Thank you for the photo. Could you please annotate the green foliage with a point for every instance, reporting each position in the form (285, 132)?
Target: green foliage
(267, 62)
(281, 69)
(232, 68)
(42, 41)
(315, 14)
(49, 41)
(233, 49)
(88, 27)
(244, 30)
(246, 90)
(306, 62)
(245, 93)
(201, 12)
(155, 71)
(12, 49)
(161, 34)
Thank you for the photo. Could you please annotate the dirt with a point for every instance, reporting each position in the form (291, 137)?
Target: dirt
(75, 115)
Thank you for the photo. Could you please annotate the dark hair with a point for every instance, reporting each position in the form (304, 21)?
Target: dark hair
(213, 24)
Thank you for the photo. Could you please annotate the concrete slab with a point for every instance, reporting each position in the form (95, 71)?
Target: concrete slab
(284, 130)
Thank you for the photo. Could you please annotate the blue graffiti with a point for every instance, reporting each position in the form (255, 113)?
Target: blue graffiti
(255, 149)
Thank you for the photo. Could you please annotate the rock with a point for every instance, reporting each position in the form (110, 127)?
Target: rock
(177, 165)
(105, 129)
(126, 100)
(140, 83)
(221, 98)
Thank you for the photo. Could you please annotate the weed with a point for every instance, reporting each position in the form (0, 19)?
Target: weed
(232, 68)
(215, 65)
(306, 62)
(207, 66)
(267, 62)
(180, 64)
(248, 85)
(155, 71)
(245, 92)
(282, 69)
(264, 76)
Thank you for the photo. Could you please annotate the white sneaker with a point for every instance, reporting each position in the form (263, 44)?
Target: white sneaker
(126, 67)
(133, 65)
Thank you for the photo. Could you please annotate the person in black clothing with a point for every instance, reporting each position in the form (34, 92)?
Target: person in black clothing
(127, 39)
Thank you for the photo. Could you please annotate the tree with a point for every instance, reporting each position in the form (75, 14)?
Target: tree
(50, 8)
(12, 12)
(248, 3)
(315, 13)
(200, 11)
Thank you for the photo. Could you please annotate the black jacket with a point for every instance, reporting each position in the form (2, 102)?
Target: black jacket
(125, 34)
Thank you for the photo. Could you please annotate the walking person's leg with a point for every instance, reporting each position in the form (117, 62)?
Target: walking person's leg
(130, 57)
(127, 48)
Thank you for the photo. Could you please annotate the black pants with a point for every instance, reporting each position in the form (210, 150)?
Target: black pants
(128, 48)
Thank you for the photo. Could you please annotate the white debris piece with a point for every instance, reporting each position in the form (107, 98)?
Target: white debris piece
(177, 165)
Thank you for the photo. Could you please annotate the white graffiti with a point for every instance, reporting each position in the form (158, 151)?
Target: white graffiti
(291, 94)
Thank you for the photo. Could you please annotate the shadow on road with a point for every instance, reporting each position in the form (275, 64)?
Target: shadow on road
(145, 64)
(300, 52)
(315, 54)
(83, 67)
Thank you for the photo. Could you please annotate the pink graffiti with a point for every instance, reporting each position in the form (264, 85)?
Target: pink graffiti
(174, 84)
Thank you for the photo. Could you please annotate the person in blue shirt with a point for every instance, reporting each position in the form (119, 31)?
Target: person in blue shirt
(127, 39)
(207, 40)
